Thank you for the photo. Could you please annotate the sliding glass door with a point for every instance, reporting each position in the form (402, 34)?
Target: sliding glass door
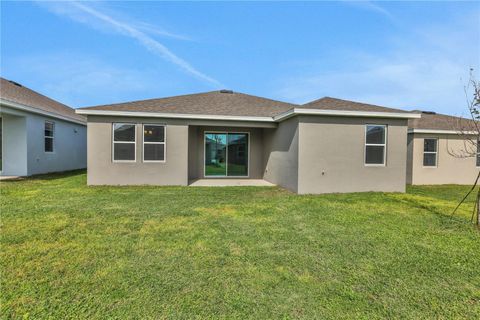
(226, 154)
(215, 154)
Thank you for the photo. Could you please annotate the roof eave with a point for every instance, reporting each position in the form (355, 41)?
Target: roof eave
(345, 113)
(278, 118)
(30, 109)
(171, 115)
(441, 131)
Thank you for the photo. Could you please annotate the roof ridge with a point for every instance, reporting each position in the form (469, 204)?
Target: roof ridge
(186, 95)
(316, 100)
(311, 104)
(273, 100)
(357, 102)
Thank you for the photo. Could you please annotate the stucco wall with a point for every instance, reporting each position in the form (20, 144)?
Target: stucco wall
(24, 150)
(70, 146)
(14, 145)
(303, 154)
(103, 171)
(409, 158)
(194, 152)
(449, 170)
(281, 154)
(332, 151)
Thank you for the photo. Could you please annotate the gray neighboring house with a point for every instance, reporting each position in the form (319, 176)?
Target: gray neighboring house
(438, 153)
(38, 134)
(328, 145)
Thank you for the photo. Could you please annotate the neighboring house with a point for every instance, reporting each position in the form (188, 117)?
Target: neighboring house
(328, 145)
(38, 134)
(440, 150)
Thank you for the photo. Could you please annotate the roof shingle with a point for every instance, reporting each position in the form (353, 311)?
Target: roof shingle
(209, 103)
(328, 103)
(435, 121)
(17, 93)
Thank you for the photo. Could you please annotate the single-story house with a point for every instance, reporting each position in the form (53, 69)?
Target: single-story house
(442, 149)
(38, 134)
(328, 145)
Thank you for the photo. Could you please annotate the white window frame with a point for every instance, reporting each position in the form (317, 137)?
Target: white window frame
(164, 142)
(384, 145)
(50, 137)
(134, 142)
(430, 152)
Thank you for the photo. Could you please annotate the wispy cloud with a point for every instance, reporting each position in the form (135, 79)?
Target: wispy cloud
(371, 6)
(83, 13)
(151, 29)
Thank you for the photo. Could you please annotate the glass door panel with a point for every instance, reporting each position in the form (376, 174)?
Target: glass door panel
(215, 154)
(237, 160)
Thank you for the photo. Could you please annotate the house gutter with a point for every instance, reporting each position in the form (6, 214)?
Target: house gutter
(340, 113)
(26, 108)
(278, 118)
(170, 115)
(435, 131)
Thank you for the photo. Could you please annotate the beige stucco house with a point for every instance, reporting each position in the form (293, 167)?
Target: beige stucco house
(442, 150)
(328, 145)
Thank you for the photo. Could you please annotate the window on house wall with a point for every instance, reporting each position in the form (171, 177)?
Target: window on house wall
(430, 152)
(153, 143)
(124, 142)
(49, 136)
(375, 144)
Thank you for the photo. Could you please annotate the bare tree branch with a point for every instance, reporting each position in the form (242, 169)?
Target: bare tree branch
(469, 131)
(468, 193)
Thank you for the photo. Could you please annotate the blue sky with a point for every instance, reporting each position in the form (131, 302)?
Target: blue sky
(412, 55)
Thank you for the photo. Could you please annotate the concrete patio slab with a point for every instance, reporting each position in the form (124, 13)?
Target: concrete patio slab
(10, 178)
(230, 183)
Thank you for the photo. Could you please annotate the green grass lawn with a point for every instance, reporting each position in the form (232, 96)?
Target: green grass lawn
(72, 251)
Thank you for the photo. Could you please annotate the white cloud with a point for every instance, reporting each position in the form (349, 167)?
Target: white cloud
(151, 29)
(424, 69)
(97, 19)
(371, 6)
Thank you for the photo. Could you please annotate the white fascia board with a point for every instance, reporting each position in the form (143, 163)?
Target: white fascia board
(26, 108)
(278, 118)
(342, 113)
(433, 131)
(171, 115)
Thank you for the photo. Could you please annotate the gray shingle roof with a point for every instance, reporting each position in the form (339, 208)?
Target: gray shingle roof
(234, 104)
(435, 121)
(208, 103)
(328, 103)
(17, 93)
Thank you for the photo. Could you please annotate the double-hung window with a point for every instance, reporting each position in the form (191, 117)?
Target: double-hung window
(49, 136)
(124, 142)
(153, 143)
(430, 147)
(375, 144)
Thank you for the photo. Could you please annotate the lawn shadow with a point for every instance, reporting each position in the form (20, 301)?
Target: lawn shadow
(48, 176)
(443, 213)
